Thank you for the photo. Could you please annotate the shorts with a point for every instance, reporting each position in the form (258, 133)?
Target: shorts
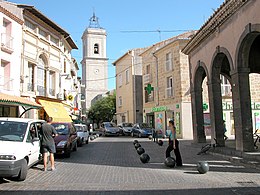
(49, 148)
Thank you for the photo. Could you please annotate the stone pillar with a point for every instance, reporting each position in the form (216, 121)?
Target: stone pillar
(197, 116)
(216, 113)
(242, 110)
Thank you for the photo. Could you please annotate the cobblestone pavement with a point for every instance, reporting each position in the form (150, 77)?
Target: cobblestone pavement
(111, 165)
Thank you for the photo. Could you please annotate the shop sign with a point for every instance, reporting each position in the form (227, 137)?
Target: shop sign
(229, 106)
(159, 109)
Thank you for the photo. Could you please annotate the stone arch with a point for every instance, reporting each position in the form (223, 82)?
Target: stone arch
(200, 74)
(221, 64)
(247, 61)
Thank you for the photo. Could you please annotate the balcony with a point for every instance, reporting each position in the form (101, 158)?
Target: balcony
(147, 78)
(52, 92)
(169, 92)
(30, 87)
(7, 43)
(41, 90)
(6, 83)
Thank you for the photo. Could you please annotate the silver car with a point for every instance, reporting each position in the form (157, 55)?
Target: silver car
(110, 128)
(125, 128)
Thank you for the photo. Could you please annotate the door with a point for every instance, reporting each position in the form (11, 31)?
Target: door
(33, 143)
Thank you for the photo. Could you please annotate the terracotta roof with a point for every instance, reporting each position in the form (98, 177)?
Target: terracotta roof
(18, 101)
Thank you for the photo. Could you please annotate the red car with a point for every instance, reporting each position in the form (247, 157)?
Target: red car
(66, 141)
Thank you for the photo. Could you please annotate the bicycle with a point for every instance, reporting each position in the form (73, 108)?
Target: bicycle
(257, 139)
(207, 147)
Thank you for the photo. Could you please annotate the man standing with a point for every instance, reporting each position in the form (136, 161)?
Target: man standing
(47, 144)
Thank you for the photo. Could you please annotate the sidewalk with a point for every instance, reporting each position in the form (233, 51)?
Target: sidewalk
(248, 159)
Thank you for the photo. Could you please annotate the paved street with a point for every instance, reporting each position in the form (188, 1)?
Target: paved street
(111, 165)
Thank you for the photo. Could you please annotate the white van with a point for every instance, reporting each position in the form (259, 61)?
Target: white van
(19, 146)
(82, 133)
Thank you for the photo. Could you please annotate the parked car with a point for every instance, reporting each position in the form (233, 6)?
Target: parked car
(67, 138)
(142, 130)
(109, 128)
(82, 133)
(19, 146)
(125, 128)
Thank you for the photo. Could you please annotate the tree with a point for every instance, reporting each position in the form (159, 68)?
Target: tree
(103, 110)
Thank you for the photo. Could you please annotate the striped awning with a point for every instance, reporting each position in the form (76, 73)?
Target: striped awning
(7, 99)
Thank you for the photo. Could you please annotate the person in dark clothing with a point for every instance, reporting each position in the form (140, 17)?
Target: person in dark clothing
(173, 144)
(47, 145)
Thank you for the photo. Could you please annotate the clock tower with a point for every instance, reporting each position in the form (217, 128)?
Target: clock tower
(94, 62)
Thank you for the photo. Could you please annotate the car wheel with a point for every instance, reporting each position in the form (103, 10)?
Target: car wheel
(23, 172)
(139, 135)
(87, 140)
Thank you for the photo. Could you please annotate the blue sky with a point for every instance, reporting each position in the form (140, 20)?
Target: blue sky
(117, 16)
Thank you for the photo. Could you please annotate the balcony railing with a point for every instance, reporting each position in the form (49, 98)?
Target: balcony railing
(6, 43)
(147, 78)
(6, 83)
(30, 87)
(41, 90)
(52, 92)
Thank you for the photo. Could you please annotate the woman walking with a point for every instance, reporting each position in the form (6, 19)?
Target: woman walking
(173, 144)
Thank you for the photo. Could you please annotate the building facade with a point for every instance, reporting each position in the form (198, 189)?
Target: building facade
(44, 65)
(166, 87)
(94, 62)
(129, 92)
(227, 44)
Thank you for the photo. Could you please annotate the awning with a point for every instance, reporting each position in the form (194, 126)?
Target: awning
(17, 101)
(55, 110)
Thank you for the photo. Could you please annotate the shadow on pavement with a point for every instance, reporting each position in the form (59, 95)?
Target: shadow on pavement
(121, 152)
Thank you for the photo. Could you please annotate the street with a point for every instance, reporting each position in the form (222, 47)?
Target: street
(111, 165)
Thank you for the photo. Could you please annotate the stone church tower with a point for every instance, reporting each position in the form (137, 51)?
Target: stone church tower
(94, 62)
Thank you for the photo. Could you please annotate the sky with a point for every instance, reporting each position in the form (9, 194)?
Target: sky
(129, 24)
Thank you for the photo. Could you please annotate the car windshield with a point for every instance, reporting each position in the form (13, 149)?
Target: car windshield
(144, 125)
(110, 125)
(12, 131)
(79, 128)
(127, 125)
(61, 128)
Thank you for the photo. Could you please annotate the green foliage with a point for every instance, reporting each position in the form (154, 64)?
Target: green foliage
(103, 110)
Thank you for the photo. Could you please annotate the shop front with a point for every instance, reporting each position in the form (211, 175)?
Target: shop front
(53, 108)
(15, 106)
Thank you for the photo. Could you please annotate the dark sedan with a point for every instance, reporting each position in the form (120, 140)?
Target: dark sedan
(141, 130)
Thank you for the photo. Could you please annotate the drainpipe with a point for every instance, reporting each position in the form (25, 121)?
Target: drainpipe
(133, 83)
(157, 85)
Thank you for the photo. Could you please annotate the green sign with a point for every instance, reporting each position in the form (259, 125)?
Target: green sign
(205, 106)
(149, 88)
(159, 109)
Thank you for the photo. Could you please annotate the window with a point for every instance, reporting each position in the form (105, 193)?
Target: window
(64, 67)
(31, 68)
(29, 25)
(127, 76)
(168, 61)
(225, 86)
(169, 89)
(42, 33)
(52, 83)
(149, 97)
(6, 82)
(6, 38)
(96, 48)
(120, 80)
(55, 41)
(41, 77)
(120, 101)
